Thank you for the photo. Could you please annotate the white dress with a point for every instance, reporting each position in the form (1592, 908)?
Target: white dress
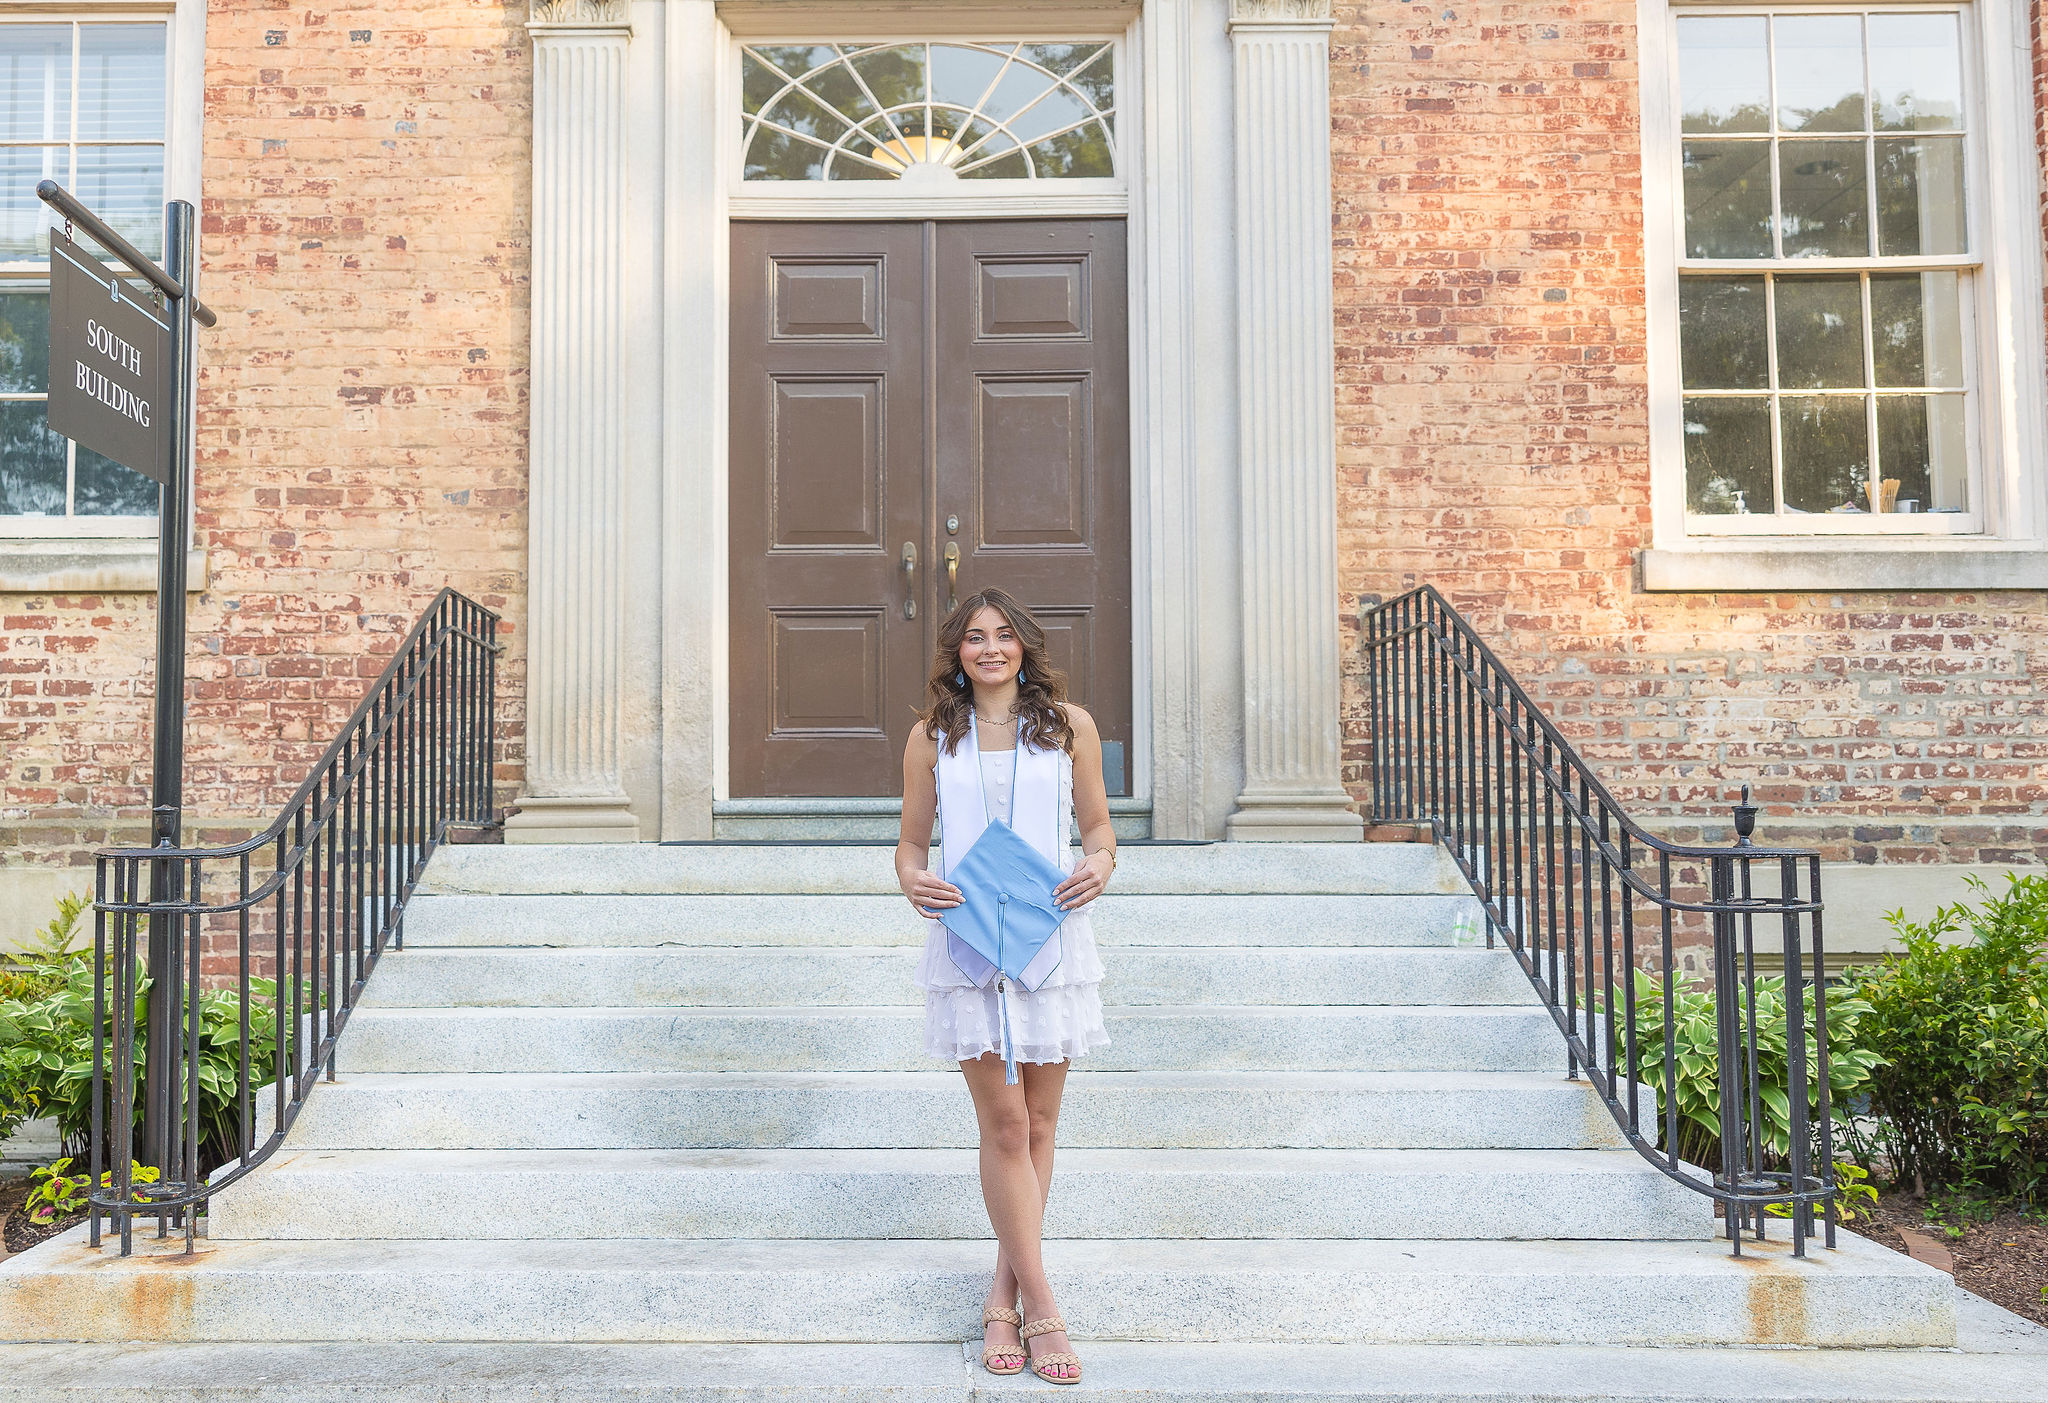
(1061, 1019)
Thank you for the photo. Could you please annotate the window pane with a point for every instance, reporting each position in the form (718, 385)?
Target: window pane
(801, 114)
(1916, 328)
(125, 184)
(1922, 445)
(894, 75)
(1822, 194)
(35, 82)
(1916, 72)
(1075, 155)
(105, 488)
(758, 82)
(962, 75)
(1727, 199)
(836, 87)
(24, 342)
(1820, 72)
(1722, 333)
(1827, 453)
(121, 82)
(1920, 195)
(773, 155)
(24, 219)
(1090, 68)
(1820, 333)
(1724, 74)
(31, 461)
(1728, 456)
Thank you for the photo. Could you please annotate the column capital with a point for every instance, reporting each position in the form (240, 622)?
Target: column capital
(570, 16)
(1281, 14)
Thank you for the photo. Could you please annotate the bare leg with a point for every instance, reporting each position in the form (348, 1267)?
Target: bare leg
(1044, 1084)
(1011, 1184)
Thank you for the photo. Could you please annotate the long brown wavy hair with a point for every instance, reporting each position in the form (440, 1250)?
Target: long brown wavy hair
(949, 696)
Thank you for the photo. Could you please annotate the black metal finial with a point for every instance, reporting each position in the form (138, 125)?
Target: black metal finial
(1745, 819)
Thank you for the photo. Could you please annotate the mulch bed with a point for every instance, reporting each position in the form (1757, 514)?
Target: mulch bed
(17, 1233)
(2005, 1260)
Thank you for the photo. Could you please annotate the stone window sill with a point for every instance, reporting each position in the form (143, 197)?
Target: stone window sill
(89, 567)
(1746, 569)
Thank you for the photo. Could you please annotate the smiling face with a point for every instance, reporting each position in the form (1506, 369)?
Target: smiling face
(991, 652)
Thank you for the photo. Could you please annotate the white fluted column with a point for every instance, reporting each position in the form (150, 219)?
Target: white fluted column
(1287, 446)
(575, 578)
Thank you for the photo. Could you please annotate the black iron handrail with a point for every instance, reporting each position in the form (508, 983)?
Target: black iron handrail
(346, 852)
(1562, 873)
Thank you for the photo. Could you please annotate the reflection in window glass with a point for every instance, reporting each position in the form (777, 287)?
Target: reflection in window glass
(1823, 199)
(1820, 72)
(1920, 195)
(1916, 73)
(973, 111)
(1724, 74)
(1826, 453)
(1820, 333)
(82, 103)
(1728, 456)
(1727, 199)
(1726, 326)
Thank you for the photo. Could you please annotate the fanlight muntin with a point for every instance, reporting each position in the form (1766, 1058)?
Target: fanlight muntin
(1032, 110)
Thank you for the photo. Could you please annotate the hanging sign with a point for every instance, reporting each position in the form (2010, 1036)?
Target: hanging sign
(109, 370)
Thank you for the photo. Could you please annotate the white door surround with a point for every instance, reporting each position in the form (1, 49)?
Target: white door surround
(1233, 493)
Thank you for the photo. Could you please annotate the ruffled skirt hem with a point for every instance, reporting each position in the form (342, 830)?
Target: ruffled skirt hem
(1054, 1024)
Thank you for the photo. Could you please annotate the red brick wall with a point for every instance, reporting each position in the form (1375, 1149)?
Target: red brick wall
(362, 413)
(1492, 426)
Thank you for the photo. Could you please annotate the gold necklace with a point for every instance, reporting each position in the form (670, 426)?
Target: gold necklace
(1010, 721)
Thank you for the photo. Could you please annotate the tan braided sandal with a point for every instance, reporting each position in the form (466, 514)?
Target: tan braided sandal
(1052, 1324)
(989, 1353)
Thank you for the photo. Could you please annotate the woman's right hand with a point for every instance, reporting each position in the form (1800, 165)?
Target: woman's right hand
(929, 894)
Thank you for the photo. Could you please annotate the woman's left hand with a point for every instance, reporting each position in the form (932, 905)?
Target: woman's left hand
(1085, 882)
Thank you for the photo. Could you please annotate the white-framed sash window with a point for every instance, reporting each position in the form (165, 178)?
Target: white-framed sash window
(1840, 272)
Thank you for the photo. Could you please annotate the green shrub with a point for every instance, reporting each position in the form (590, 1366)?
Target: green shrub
(1698, 1082)
(1961, 1101)
(46, 1055)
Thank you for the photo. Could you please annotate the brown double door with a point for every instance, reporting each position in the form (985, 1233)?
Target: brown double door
(919, 410)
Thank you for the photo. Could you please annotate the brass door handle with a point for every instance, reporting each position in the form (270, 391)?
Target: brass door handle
(952, 575)
(910, 579)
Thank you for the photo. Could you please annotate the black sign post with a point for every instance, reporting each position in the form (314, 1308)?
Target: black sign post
(121, 384)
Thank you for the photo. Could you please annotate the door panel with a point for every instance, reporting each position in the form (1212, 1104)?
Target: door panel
(827, 484)
(888, 378)
(1034, 437)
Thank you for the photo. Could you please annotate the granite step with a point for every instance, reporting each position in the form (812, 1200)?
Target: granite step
(1392, 1292)
(632, 869)
(901, 1194)
(1982, 1371)
(811, 921)
(1195, 1037)
(919, 1109)
(857, 975)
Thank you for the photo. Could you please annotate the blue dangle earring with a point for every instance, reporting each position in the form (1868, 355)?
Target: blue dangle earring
(959, 678)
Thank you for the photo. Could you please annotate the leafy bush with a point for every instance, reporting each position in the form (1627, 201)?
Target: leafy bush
(1698, 1082)
(1961, 1100)
(38, 968)
(46, 1055)
(55, 1192)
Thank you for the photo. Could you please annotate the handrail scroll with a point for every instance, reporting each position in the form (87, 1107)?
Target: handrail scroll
(1570, 885)
(272, 937)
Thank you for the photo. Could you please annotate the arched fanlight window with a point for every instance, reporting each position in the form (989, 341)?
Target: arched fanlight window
(972, 111)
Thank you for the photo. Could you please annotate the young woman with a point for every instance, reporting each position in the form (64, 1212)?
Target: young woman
(999, 742)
